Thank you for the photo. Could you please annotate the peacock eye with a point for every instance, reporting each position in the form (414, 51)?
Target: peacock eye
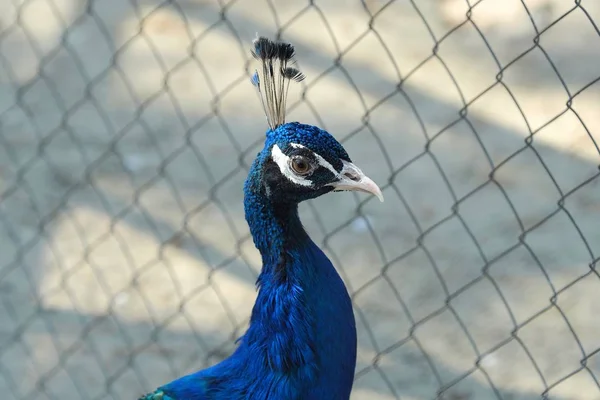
(300, 165)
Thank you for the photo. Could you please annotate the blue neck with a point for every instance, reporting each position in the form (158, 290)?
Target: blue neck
(302, 324)
(276, 231)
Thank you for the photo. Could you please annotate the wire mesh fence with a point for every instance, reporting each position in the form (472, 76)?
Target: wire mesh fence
(126, 131)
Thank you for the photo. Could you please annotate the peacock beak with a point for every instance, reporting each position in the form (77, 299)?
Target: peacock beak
(352, 178)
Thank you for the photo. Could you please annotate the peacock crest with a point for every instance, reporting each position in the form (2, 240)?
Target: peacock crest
(273, 78)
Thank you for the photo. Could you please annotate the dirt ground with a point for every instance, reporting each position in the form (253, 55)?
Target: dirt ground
(126, 130)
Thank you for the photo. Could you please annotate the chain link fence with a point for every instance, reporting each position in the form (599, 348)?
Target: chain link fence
(126, 131)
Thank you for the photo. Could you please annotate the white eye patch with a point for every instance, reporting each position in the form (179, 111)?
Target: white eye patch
(283, 162)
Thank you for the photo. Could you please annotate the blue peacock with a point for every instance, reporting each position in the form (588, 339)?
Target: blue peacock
(301, 341)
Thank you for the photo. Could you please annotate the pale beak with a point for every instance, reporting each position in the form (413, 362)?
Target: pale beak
(352, 178)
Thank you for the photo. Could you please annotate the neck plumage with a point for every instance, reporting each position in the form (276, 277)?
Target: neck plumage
(276, 231)
(302, 325)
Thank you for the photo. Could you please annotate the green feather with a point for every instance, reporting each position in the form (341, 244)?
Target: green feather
(158, 395)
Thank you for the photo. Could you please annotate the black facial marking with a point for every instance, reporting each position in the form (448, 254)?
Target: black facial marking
(280, 189)
(271, 177)
(291, 151)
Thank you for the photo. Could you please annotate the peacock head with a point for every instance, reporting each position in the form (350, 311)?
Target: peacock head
(299, 161)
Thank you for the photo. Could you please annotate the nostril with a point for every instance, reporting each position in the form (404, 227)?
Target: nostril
(352, 176)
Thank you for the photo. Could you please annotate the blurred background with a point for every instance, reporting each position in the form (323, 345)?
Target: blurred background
(126, 132)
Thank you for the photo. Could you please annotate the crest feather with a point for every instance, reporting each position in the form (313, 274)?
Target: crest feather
(273, 78)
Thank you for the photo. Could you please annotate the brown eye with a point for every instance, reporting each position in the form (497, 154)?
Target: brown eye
(300, 165)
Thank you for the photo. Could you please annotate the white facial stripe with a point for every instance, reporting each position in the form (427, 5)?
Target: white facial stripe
(323, 163)
(284, 166)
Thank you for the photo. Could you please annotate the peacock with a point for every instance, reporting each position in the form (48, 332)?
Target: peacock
(301, 340)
